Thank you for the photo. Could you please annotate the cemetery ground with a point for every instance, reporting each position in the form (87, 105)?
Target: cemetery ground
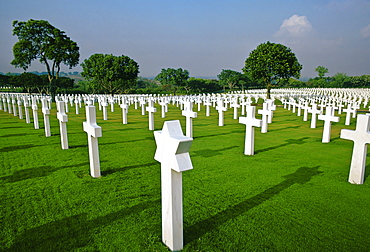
(292, 195)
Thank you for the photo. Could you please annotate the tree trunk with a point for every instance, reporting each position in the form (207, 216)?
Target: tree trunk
(268, 86)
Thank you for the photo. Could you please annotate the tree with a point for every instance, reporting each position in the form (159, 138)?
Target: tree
(65, 83)
(4, 80)
(272, 64)
(174, 79)
(38, 39)
(231, 79)
(321, 71)
(110, 73)
(341, 80)
(28, 81)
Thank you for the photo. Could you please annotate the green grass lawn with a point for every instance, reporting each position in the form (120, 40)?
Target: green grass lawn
(292, 195)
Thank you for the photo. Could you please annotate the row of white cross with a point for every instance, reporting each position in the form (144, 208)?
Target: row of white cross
(173, 147)
(296, 102)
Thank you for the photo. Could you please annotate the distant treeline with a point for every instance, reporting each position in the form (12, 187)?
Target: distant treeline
(72, 82)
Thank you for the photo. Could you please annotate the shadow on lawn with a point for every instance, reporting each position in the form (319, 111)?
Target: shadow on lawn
(35, 172)
(301, 176)
(18, 147)
(211, 153)
(290, 127)
(116, 142)
(214, 135)
(72, 232)
(111, 171)
(288, 142)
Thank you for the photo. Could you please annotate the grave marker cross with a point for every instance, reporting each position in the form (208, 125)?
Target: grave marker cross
(360, 138)
(151, 109)
(328, 118)
(26, 110)
(63, 119)
(46, 112)
(265, 113)
(173, 154)
(314, 111)
(189, 114)
(124, 108)
(221, 109)
(93, 132)
(35, 115)
(250, 122)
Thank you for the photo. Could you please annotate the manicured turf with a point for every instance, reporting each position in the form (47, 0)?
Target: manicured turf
(293, 195)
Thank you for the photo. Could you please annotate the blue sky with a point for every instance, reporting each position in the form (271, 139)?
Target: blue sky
(203, 37)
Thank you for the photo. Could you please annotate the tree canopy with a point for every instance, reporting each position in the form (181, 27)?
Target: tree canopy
(272, 64)
(38, 39)
(232, 79)
(321, 71)
(109, 73)
(174, 79)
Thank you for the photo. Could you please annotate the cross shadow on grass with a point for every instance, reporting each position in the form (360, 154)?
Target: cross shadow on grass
(10, 127)
(111, 171)
(21, 134)
(72, 232)
(290, 127)
(116, 142)
(211, 153)
(35, 172)
(18, 147)
(288, 142)
(214, 135)
(301, 176)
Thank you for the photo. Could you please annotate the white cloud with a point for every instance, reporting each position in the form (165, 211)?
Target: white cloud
(296, 27)
(365, 32)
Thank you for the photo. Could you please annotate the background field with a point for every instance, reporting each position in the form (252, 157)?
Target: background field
(293, 195)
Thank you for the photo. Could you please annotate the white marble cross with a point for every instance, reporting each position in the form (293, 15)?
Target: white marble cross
(173, 154)
(221, 109)
(328, 119)
(26, 110)
(235, 105)
(189, 114)
(14, 103)
(360, 138)
(243, 104)
(104, 105)
(299, 107)
(164, 105)
(207, 103)
(271, 107)
(9, 105)
(250, 122)
(111, 102)
(20, 113)
(77, 104)
(265, 113)
(349, 110)
(65, 99)
(4, 104)
(305, 108)
(46, 112)
(93, 132)
(124, 108)
(340, 106)
(142, 104)
(151, 109)
(35, 114)
(314, 111)
(63, 119)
